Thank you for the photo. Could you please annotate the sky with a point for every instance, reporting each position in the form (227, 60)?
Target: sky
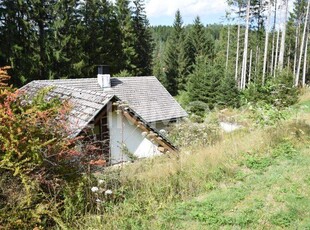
(161, 12)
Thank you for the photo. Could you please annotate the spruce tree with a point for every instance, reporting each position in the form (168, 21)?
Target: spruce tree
(127, 37)
(143, 40)
(173, 55)
(204, 83)
(198, 36)
(228, 93)
(68, 54)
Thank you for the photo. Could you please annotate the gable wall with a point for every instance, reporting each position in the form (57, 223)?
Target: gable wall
(124, 132)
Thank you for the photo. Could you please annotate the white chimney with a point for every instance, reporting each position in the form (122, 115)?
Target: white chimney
(103, 77)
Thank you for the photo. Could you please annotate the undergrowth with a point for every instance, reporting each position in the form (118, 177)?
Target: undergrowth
(158, 193)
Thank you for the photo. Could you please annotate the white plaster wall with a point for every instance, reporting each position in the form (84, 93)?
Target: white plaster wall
(122, 131)
(160, 125)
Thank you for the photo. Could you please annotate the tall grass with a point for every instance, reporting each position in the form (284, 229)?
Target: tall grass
(144, 189)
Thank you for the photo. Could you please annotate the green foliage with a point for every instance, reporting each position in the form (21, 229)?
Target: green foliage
(123, 73)
(194, 134)
(266, 114)
(204, 82)
(67, 38)
(144, 41)
(172, 56)
(228, 93)
(278, 91)
(198, 108)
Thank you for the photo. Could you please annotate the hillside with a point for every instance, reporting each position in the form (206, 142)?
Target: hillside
(257, 177)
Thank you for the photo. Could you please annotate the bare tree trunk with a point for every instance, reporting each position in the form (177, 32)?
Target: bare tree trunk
(273, 36)
(302, 46)
(281, 55)
(250, 66)
(296, 48)
(227, 49)
(266, 44)
(245, 52)
(305, 63)
(276, 55)
(237, 54)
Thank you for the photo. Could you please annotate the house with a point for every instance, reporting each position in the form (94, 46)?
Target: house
(123, 114)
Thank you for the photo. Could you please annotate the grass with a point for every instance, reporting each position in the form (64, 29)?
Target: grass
(264, 196)
(253, 178)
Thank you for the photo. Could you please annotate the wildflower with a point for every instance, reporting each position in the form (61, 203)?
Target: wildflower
(98, 200)
(94, 189)
(108, 192)
(100, 181)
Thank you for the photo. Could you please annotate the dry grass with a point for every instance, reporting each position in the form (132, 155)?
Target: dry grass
(305, 95)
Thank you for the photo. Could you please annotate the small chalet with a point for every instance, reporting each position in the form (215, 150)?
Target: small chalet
(123, 114)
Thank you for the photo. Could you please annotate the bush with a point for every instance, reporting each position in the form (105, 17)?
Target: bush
(199, 109)
(189, 134)
(278, 91)
(36, 159)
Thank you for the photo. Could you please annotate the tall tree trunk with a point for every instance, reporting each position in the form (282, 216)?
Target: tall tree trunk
(281, 55)
(273, 36)
(245, 52)
(266, 44)
(302, 46)
(305, 63)
(276, 55)
(296, 48)
(228, 45)
(237, 55)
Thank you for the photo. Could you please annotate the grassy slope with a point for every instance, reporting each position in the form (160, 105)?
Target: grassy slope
(268, 193)
(253, 179)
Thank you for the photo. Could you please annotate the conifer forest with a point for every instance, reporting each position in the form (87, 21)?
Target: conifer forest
(259, 41)
(236, 158)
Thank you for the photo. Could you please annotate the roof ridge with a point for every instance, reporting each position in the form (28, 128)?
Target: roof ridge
(46, 82)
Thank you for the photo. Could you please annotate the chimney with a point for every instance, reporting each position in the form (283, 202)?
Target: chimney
(103, 77)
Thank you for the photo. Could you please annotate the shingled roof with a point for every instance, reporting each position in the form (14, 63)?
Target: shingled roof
(145, 95)
(85, 104)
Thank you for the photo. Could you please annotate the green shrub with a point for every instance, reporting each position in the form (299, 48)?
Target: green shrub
(198, 108)
(279, 92)
(190, 134)
(267, 114)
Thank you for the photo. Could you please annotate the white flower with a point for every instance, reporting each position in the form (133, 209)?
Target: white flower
(100, 181)
(94, 189)
(98, 200)
(108, 192)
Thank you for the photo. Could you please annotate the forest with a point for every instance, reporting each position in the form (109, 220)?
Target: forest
(251, 70)
(259, 45)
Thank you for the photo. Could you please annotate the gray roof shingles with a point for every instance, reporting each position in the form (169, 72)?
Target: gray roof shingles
(84, 104)
(145, 95)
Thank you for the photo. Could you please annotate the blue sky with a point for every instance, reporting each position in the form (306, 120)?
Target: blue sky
(161, 12)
